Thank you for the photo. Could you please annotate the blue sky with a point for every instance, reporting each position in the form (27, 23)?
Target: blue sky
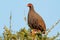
(48, 9)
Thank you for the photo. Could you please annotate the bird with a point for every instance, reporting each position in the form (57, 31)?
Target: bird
(35, 21)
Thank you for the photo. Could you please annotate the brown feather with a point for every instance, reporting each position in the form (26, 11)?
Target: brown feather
(35, 21)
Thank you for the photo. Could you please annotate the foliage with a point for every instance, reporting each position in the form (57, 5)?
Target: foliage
(24, 34)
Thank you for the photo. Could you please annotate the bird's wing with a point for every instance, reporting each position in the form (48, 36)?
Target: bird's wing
(40, 21)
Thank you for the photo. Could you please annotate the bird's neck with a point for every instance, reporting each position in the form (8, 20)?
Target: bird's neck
(31, 9)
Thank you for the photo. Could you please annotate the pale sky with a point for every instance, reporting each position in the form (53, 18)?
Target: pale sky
(48, 9)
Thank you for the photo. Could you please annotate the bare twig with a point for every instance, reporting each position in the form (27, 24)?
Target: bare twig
(53, 26)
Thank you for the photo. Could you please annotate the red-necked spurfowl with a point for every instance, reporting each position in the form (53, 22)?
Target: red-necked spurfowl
(35, 21)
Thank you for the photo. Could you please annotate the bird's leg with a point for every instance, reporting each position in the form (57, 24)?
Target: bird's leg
(33, 33)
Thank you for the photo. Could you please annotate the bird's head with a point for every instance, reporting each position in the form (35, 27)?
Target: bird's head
(29, 5)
